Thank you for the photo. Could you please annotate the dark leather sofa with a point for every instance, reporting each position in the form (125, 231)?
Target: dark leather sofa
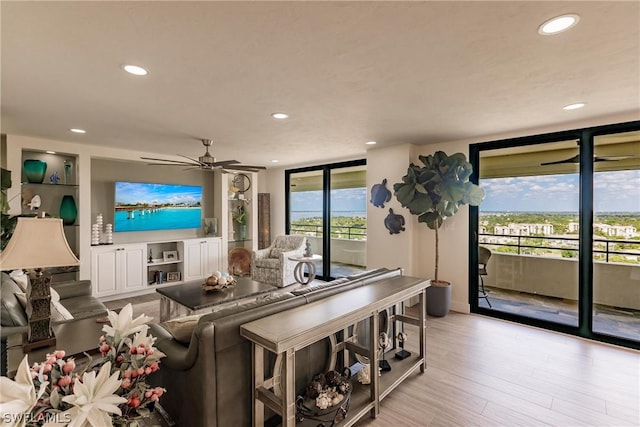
(208, 377)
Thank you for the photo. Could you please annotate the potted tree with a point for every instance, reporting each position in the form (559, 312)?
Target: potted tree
(435, 192)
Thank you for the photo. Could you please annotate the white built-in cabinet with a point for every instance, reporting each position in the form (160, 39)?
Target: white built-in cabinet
(133, 268)
(118, 269)
(202, 257)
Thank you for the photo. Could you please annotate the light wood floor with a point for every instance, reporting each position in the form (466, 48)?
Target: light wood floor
(488, 372)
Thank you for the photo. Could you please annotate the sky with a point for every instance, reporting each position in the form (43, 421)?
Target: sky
(617, 191)
(140, 192)
(346, 199)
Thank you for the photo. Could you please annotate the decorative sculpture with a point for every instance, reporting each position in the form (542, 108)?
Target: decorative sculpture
(380, 194)
(394, 222)
(35, 203)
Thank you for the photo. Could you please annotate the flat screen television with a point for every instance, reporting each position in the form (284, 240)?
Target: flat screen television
(142, 206)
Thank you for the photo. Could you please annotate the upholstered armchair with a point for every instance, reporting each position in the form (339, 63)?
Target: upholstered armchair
(272, 265)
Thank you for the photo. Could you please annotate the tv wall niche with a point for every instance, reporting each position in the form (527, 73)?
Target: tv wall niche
(106, 172)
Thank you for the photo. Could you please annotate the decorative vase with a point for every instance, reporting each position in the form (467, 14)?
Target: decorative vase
(68, 210)
(243, 232)
(35, 169)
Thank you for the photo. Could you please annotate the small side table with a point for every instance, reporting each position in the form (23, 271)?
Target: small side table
(298, 271)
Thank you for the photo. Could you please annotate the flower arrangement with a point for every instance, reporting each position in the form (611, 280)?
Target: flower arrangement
(112, 391)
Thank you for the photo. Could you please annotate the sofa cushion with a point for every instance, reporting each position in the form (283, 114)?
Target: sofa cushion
(58, 312)
(84, 307)
(276, 252)
(72, 289)
(11, 312)
(182, 328)
(21, 279)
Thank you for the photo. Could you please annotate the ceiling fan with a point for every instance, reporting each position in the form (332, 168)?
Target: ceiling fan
(207, 162)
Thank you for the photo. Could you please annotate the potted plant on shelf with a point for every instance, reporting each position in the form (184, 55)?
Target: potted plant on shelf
(435, 192)
(240, 216)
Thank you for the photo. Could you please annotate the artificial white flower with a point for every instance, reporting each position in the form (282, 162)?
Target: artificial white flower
(123, 324)
(93, 399)
(147, 341)
(17, 398)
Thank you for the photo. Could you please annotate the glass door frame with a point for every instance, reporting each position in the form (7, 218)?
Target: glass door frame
(326, 206)
(586, 137)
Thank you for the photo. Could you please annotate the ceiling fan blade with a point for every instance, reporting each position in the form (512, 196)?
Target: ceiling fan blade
(574, 159)
(180, 162)
(246, 168)
(198, 162)
(225, 162)
(172, 164)
(611, 158)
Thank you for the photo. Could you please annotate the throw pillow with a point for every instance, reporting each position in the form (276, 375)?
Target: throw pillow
(182, 328)
(59, 312)
(276, 252)
(21, 279)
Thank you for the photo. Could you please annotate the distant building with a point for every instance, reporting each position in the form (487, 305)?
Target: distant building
(524, 229)
(626, 231)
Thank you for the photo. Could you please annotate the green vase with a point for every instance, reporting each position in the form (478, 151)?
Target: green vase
(34, 170)
(68, 210)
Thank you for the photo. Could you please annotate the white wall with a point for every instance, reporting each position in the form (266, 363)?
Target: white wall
(385, 249)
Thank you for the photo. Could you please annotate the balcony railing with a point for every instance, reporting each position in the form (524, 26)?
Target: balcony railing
(337, 231)
(568, 246)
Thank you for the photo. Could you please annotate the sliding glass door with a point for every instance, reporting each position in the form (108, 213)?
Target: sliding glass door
(556, 243)
(328, 204)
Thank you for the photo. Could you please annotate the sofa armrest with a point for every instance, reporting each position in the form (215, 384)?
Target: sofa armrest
(73, 288)
(178, 356)
(260, 254)
(284, 256)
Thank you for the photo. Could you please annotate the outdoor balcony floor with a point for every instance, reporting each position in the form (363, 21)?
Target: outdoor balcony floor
(614, 321)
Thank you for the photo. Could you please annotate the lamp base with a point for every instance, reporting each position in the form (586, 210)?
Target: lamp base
(28, 347)
(38, 311)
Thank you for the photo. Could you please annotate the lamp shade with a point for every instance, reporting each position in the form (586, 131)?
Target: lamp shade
(37, 243)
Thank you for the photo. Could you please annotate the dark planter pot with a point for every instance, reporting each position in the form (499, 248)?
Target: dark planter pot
(438, 298)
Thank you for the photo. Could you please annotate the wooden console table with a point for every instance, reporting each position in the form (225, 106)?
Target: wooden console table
(286, 332)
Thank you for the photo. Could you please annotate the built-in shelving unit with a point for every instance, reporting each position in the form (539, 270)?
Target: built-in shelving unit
(136, 268)
(51, 191)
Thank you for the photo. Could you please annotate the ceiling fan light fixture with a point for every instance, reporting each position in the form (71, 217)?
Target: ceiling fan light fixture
(574, 106)
(135, 70)
(280, 116)
(558, 24)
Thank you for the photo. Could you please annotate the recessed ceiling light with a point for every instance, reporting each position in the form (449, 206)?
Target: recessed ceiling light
(50, 152)
(574, 106)
(558, 24)
(76, 130)
(280, 116)
(371, 143)
(275, 161)
(135, 70)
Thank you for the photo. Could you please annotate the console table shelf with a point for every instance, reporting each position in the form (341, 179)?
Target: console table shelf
(286, 332)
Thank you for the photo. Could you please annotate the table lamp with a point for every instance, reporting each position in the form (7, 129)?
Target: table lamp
(38, 243)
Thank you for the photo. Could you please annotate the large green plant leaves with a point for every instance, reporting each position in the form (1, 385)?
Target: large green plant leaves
(436, 190)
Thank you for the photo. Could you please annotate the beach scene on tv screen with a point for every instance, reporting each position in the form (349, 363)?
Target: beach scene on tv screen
(143, 206)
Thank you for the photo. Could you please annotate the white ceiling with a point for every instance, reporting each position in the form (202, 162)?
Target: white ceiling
(346, 72)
